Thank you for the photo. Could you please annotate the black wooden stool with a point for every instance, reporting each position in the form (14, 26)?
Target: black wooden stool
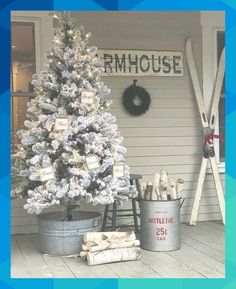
(134, 180)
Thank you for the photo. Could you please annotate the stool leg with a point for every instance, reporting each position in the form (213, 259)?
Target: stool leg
(135, 215)
(139, 192)
(104, 223)
(114, 216)
(138, 186)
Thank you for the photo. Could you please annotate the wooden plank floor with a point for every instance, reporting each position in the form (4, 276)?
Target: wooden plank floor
(201, 256)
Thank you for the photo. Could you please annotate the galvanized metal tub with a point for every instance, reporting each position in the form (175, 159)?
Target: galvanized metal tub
(66, 237)
(160, 225)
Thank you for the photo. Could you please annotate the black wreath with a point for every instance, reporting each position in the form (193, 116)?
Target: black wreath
(130, 94)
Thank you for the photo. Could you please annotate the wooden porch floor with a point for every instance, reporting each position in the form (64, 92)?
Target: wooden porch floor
(201, 256)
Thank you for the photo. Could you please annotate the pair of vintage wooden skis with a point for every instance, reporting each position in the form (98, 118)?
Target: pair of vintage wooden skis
(208, 130)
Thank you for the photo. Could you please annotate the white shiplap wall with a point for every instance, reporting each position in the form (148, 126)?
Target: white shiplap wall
(168, 136)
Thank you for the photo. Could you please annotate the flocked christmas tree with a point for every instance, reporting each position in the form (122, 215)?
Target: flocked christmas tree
(72, 149)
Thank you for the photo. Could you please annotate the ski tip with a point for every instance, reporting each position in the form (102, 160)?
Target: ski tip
(222, 58)
(223, 52)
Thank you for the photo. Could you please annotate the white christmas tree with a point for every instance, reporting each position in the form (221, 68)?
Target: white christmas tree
(73, 150)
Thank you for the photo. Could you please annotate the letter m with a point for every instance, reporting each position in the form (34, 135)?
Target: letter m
(120, 62)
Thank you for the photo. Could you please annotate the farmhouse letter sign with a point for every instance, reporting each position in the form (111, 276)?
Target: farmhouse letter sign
(145, 63)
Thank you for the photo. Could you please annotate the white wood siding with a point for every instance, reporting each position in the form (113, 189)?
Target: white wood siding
(168, 135)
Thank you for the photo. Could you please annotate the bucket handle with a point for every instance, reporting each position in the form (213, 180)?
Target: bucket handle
(96, 222)
(182, 202)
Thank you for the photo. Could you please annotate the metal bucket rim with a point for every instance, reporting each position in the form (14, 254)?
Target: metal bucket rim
(45, 216)
(162, 201)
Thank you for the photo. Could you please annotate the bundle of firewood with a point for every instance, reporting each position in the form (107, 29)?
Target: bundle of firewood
(162, 188)
(108, 247)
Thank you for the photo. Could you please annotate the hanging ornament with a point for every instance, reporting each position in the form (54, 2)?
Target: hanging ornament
(61, 124)
(118, 170)
(92, 162)
(87, 97)
(47, 174)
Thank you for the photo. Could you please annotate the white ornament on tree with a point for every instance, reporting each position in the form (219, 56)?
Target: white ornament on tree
(47, 174)
(118, 171)
(61, 124)
(87, 97)
(92, 162)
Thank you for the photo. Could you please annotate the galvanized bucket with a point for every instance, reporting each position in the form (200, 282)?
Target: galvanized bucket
(61, 237)
(160, 225)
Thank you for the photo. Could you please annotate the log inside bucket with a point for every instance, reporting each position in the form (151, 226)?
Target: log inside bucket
(163, 188)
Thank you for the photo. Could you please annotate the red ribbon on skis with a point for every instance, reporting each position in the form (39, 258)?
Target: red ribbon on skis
(210, 136)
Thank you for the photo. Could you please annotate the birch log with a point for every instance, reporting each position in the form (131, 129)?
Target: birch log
(156, 187)
(163, 180)
(164, 195)
(143, 189)
(148, 192)
(179, 187)
(154, 196)
(111, 243)
(173, 189)
(106, 245)
(114, 255)
(85, 247)
(163, 184)
(96, 236)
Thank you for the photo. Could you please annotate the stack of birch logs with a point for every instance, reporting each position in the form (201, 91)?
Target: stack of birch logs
(162, 188)
(108, 247)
